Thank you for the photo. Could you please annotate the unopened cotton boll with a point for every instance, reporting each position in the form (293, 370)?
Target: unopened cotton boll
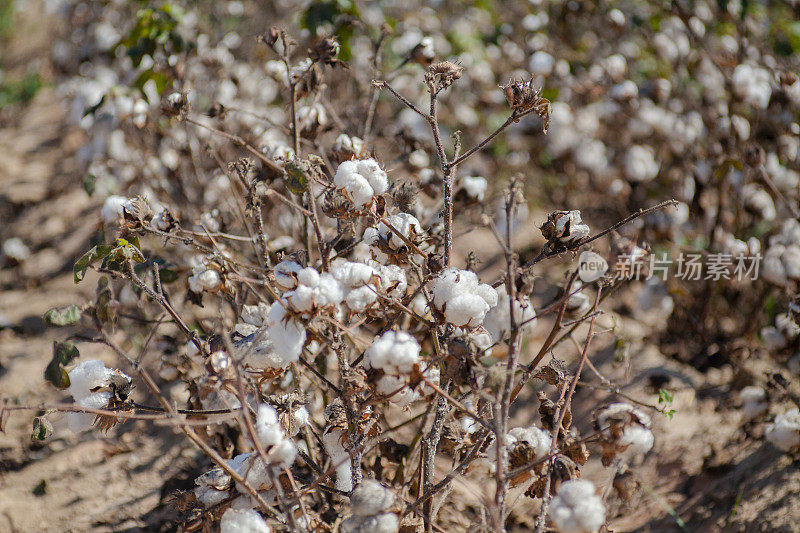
(640, 164)
(784, 432)
(577, 508)
(243, 521)
(361, 179)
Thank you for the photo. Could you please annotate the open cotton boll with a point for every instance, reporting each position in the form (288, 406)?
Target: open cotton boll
(751, 84)
(475, 187)
(85, 377)
(286, 274)
(113, 209)
(286, 334)
(394, 352)
(405, 223)
(382, 523)
(635, 438)
(204, 279)
(352, 274)
(361, 179)
(332, 441)
(498, 320)
(371, 498)
(640, 164)
(314, 291)
(784, 432)
(754, 401)
(577, 508)
(463, 300)
(243, 521)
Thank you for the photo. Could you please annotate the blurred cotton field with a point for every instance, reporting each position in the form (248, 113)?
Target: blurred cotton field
(346, 266)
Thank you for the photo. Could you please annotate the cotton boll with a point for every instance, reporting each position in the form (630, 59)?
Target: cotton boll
(754, 402)
(498, 320)
(639, 164)
(15, 249)
(625, 90)
(286, 274)
(113, 209)
(371, 498)
(576, 508)
(287, 335)
(772, 338)
(784, 432)
(635, 438)
(332, 441)
(751, 84)
(475, 187)
(538, 439)
(361, 298)
(615, 66)
(244, 521)
(466, 310)
(461, 298)
(405, 223)
(758, 201)
(541, 63)
(382, 523)
(394, 352)
(361, 180)
(84, 378)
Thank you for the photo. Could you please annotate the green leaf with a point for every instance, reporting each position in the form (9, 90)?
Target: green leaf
(62, 316)
(65, 352)
(89, 183)
(40, 489)
(42, 428)
(56, 375)
(295, 178)
(86, 260)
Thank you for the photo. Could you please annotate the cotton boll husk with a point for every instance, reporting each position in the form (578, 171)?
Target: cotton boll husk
(577, 508)
(784, 432)
(245, 521)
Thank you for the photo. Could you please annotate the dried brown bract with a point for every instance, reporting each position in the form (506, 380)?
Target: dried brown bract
(524, 98)
(325, 51)
(442, 75)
